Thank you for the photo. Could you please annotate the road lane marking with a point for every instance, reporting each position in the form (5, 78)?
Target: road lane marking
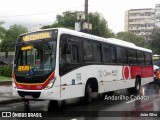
(131, 101)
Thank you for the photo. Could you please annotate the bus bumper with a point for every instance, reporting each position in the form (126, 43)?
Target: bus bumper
(49, 94)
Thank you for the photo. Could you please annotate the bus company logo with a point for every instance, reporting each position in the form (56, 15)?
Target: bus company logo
(105, 73)
(126, 74)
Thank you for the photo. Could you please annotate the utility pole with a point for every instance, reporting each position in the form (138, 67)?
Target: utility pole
(82, 23)
(87, 25)
(86, 7)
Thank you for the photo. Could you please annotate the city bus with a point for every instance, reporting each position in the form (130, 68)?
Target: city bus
(59, 64)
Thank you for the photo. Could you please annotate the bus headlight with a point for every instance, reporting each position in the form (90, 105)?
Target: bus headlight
(50, 84)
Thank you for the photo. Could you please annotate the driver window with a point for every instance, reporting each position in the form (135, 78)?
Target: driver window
(68, 58)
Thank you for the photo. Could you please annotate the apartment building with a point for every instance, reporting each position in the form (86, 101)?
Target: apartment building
(142, 21)
(157, 15)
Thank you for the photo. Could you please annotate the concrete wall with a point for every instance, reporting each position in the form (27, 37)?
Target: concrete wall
(8, 60)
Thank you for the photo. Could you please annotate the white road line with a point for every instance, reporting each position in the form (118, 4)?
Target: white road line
(131, 101)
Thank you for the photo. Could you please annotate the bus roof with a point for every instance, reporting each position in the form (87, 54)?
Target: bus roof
(93, 37)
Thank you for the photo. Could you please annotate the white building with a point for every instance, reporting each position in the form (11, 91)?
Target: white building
(142, 21)
(157, 15)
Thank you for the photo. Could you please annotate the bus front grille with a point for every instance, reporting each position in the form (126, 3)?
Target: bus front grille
(33, 94)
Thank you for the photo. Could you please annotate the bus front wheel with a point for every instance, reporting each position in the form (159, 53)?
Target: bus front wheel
(88, 92)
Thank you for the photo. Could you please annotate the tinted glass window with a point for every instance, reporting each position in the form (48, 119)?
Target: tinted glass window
(69, 53)
(132, 56)
(122, 55)
(75, 54)
(148, 59)
(71, 57)
(140, 56)
(88, 51)
(97, 52)
(109, 54)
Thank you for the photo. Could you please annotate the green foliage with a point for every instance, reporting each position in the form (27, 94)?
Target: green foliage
(5, 70)
(68, 19)
(11, 35)
(99, 25)
(130, 37)
(2, 32)
(154, 42)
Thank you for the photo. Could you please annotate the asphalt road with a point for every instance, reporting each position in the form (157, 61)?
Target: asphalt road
(120, 105)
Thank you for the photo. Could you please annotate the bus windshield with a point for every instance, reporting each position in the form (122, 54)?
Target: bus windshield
(36, 58)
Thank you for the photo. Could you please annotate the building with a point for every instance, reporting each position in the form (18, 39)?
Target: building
(157, 15)
(142, 21)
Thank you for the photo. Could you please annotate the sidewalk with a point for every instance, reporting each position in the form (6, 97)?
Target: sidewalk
(6, 95)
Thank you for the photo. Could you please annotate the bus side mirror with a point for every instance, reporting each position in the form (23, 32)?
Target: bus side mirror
(6, 54)
(67, 49)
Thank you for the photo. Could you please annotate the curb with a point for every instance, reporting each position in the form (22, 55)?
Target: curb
(11, 101)
(5, 82)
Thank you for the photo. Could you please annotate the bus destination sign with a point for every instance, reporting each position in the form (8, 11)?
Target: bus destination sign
(37, 36)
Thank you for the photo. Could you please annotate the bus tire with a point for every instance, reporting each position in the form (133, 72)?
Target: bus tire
(53, 105)
(135, 89)
(88, 91)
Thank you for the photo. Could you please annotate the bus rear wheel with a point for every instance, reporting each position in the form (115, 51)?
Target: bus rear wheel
(135, 89)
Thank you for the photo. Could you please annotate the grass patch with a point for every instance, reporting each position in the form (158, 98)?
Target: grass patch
(4, 78)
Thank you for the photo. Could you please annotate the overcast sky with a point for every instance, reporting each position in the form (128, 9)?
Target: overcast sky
(31, 13)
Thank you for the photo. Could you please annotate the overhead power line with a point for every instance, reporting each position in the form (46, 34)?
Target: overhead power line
(35, 13)
(25, 15)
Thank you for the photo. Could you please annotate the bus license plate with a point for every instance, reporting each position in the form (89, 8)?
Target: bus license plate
(28, 97)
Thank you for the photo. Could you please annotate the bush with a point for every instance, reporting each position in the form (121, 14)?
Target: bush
(5, 70)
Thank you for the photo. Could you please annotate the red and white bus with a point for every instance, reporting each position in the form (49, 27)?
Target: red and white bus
(59, 64)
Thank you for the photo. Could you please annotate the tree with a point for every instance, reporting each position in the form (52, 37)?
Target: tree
(130, 37)
(11, 35)
(99, 25)
(2, 31)
(68, 19)
(154, 42)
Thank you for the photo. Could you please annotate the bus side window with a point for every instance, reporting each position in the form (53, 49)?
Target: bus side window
(68, 56)
(132, 56)
(62, 54)
(122, 55)
(88, 51)
(140, 56)
(97, 52)
(113, 54)
(148, 59)
(74, 51)
(109, 54)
